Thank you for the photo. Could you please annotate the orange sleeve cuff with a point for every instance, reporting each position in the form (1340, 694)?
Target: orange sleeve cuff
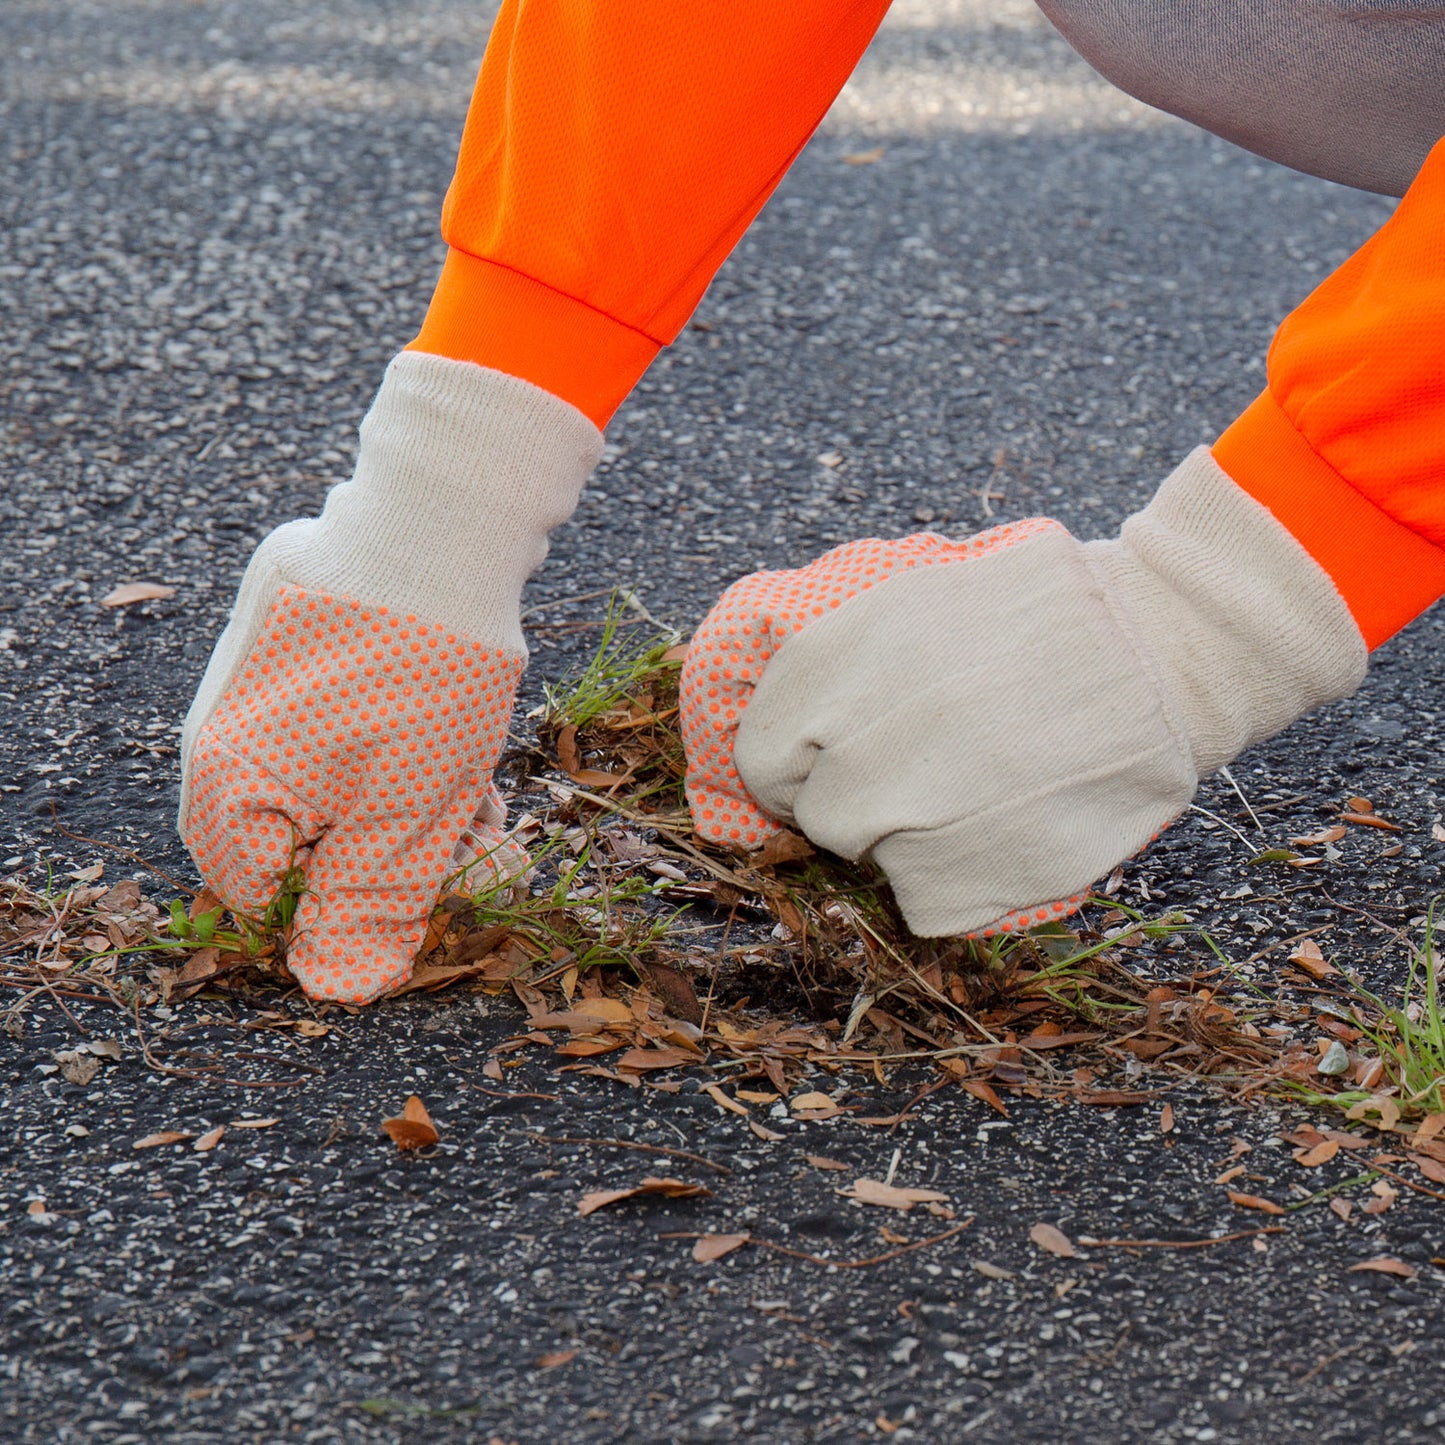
(502, 319)
(1386, 573)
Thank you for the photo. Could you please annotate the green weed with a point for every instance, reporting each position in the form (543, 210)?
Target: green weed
(621, 666)
(589, 917)
(1408, 1038)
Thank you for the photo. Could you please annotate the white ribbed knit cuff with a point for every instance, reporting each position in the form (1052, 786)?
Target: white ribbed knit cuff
(1245, 629)
(461, 475)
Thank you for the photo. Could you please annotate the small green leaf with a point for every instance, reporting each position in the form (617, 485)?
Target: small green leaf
(1164, 927)
(180, 924)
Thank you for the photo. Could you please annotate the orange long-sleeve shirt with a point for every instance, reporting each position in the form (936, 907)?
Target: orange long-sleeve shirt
(613, 156)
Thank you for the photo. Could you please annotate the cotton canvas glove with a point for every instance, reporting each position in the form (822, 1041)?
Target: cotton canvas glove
(998, 722)
(357, 702)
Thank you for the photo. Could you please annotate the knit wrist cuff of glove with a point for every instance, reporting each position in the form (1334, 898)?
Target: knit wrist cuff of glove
(1244, 630)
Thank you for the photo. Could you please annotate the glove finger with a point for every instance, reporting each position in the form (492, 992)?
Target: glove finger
(370, 890)
(724, 660)
(244, 828)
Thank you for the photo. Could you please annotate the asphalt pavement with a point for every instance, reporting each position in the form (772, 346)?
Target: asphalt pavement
(991, 287)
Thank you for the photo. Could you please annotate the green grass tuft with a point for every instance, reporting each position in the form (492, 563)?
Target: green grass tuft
(1408, 1039)
(615, 671)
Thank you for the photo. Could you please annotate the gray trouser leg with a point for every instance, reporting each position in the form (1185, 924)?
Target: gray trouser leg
(1353, 90)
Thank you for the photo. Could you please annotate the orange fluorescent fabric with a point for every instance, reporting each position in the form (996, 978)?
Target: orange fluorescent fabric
(485, 313)
(612, 157)
(1347, 445)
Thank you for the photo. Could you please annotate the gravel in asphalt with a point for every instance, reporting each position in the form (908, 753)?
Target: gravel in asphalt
(219, 223)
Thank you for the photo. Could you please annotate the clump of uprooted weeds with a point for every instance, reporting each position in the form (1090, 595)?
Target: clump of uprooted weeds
(791, 943)
(635, 947)
(79, 936)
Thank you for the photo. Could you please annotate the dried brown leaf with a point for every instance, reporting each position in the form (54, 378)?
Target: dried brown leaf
(1321, 1153)
(166, 1136)
(664, 1058)
(819, 1161)
(553, 1358)
(428, 977)
(1307, 956)
(723, 1101)
(1385, 1195)
(1055, 1038)
(413, 1128)
(788, 914)
(1431, 1168)
(1053, 1240)
(122, 898)
(586, 1048)
(599, 781)
(609, 1010)
(78, 1068)
(675, 989)
(715, 1246)
(1347, 1140)
(980, 1090)
(1254, 1201)
(206, 900)
(992, 1271)
(1385, 1264)
(209, 1139)
(567, 751)
(1369, 820)
(202, 965)
(131, 592)
(1382, 1104)
(782, 847)
(890, 1196)
(667, 1188)
(813, 1105)
(1429, 1127)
